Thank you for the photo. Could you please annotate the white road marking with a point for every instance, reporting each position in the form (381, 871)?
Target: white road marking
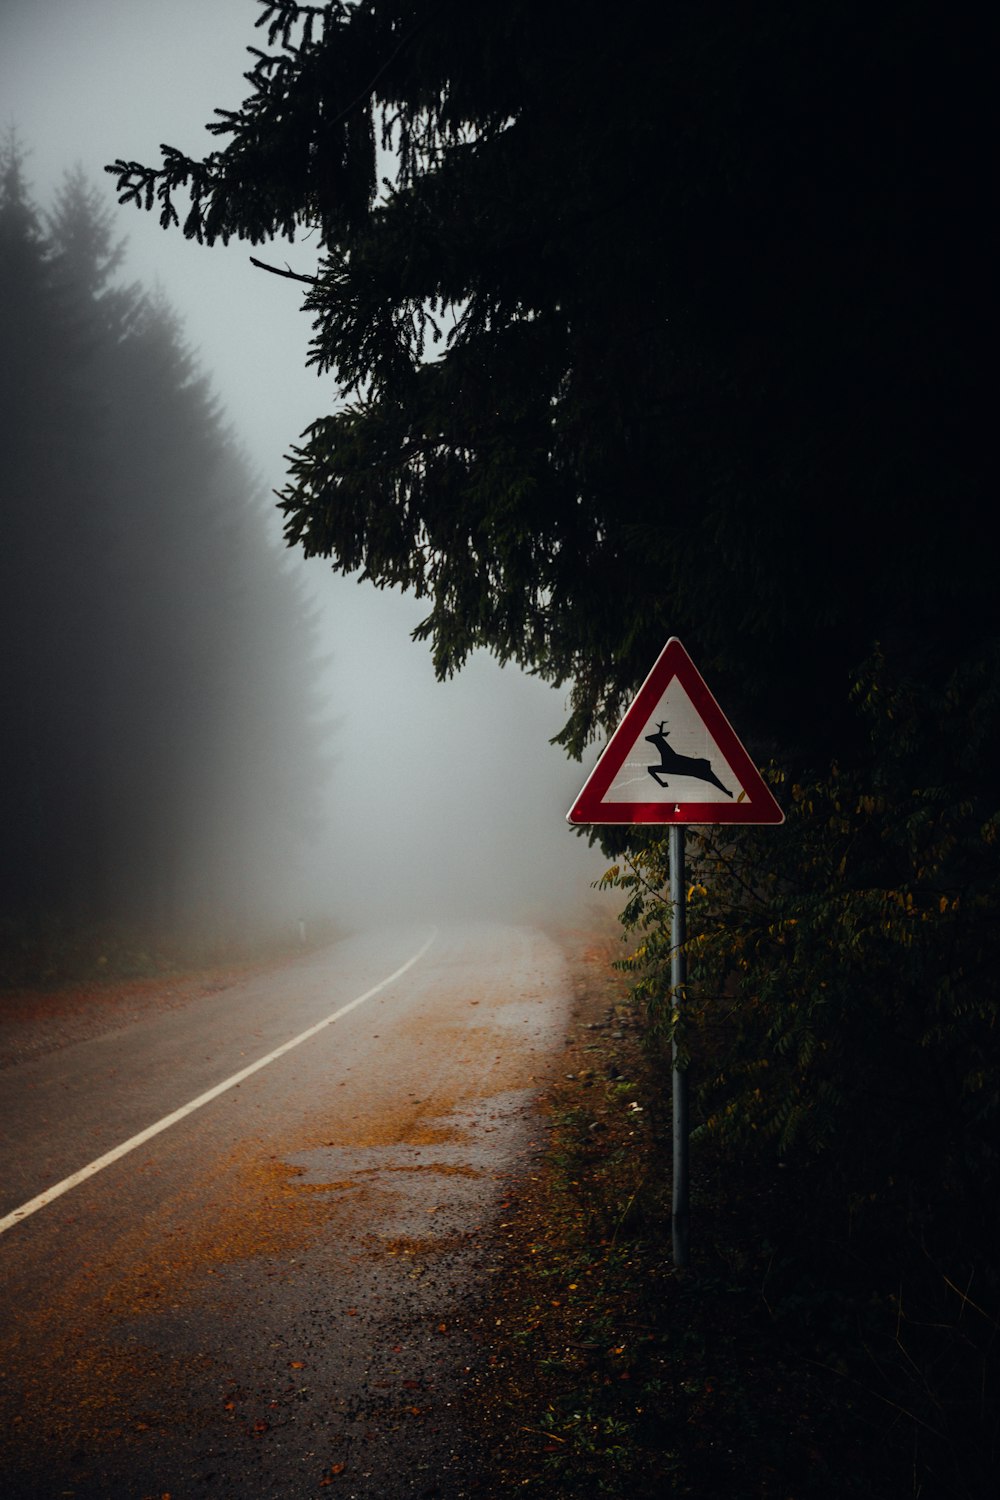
(26, 1209)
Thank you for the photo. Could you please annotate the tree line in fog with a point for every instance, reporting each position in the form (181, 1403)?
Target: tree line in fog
(160, 749)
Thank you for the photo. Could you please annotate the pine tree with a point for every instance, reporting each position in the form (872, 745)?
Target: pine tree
(45, 411)
(159, 742)
(668, 322)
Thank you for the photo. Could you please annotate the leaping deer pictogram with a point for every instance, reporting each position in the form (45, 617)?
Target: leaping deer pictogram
(680, 765)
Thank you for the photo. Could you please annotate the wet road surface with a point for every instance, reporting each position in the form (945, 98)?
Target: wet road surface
(275, 1295)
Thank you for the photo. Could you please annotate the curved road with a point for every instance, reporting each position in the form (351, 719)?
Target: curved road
(241, 1240)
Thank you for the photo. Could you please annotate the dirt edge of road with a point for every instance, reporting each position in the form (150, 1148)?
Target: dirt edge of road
(608, 1370)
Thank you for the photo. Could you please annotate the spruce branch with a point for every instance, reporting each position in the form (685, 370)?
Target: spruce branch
(288, 272)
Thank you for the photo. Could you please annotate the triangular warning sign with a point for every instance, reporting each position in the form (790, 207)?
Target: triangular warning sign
(674, 758)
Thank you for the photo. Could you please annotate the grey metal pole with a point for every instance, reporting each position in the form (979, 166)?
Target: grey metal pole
(678, 979)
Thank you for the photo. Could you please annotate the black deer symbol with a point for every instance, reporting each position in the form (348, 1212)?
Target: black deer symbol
(680, 765)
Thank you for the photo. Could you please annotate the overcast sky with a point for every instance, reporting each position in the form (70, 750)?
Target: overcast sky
(87, 81)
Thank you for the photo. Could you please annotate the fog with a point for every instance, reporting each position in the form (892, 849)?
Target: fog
(434, 798)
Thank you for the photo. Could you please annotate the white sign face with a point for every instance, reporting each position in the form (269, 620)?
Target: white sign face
(675, 759)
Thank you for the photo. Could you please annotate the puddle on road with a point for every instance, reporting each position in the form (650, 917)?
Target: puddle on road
(427, 1189)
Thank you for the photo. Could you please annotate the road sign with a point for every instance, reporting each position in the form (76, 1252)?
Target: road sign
(674, 758)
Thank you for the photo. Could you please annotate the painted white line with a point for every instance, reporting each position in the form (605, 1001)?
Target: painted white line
(22, 1213)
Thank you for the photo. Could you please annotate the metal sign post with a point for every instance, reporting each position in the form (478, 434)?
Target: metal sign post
(697, 772)
(679, 1079)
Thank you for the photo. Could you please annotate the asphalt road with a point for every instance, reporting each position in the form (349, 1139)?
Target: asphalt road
(275, 1293)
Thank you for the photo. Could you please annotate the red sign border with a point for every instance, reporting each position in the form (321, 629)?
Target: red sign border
(759, 806)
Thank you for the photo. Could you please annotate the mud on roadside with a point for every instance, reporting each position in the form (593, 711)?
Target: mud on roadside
(565, 1323)
(608, 1370)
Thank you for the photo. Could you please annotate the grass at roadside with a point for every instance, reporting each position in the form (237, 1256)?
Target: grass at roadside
(47, 953)
(613, 1373)
(58, 993)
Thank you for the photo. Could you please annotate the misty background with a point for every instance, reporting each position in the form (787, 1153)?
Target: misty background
(202, 733)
